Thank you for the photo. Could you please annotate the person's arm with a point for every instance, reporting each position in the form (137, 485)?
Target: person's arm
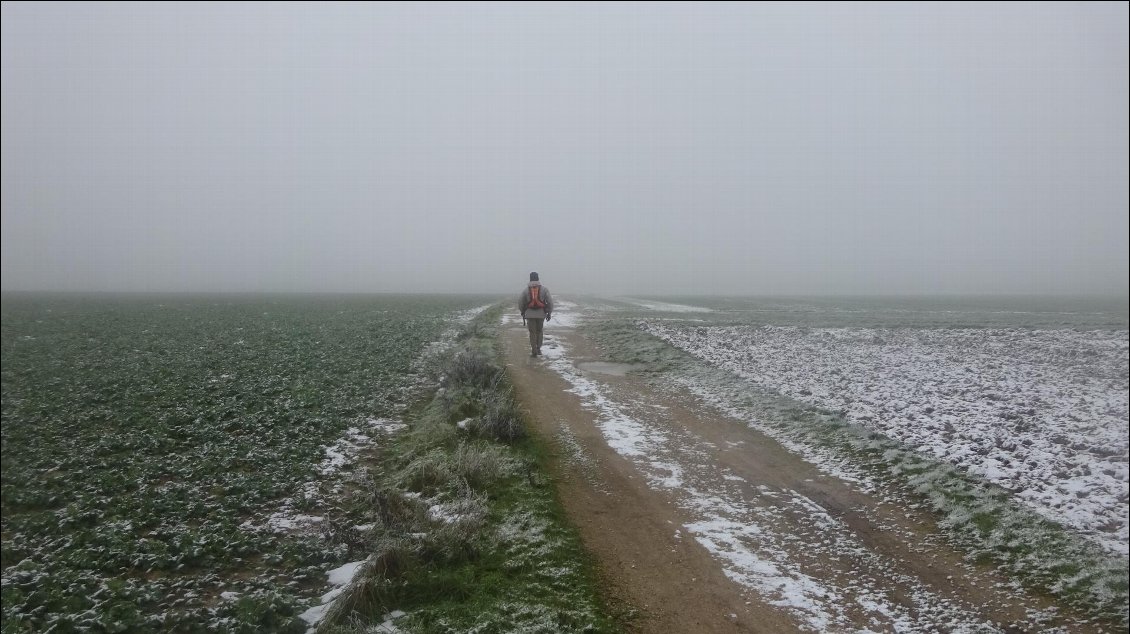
(523, 302)
(548, 303)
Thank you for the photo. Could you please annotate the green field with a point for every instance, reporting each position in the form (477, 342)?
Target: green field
(141, 432)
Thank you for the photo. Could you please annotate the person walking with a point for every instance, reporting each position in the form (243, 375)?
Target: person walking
(536, 306)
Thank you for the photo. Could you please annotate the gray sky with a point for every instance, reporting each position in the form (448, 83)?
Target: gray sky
(635, 148)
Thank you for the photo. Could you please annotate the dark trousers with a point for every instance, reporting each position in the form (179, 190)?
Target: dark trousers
(535, 327)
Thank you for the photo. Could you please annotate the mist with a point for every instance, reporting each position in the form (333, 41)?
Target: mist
(614, 148)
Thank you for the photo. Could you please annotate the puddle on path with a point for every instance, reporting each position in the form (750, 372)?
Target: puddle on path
(604, 367)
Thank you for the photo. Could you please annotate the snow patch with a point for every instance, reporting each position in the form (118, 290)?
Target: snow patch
(339, 578)
(343, 574)
(388, 625)
(665, 307)
(338, 457)
(566, 314)
(344, 451)
(285, 522)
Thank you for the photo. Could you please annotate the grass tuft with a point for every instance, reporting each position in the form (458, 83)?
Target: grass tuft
(472, 367)
(501, 419)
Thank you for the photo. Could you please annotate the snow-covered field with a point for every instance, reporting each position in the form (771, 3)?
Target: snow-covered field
(1042, 413)
(666, 307)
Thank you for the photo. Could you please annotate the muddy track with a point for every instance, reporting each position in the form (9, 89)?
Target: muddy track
(702, 524)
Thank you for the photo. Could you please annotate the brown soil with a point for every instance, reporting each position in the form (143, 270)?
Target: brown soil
(637, 532)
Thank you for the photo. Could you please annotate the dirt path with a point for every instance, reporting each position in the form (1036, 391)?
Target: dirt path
(704, 525)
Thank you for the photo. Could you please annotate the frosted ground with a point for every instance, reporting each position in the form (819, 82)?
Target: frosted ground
(1041, 413)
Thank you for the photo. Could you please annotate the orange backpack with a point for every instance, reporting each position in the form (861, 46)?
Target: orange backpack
(535, 301)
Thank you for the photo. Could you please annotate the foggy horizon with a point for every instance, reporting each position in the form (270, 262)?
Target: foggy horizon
(810, 150)
(1114, 298)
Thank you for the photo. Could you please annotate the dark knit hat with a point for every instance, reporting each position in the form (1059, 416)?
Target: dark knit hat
(534, 276)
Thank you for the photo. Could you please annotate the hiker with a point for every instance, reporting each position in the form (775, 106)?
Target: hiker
(536, 306)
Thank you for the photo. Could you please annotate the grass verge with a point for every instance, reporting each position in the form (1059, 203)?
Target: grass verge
(467, 533)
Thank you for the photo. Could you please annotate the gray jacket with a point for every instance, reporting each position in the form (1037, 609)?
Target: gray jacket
(535, 313)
